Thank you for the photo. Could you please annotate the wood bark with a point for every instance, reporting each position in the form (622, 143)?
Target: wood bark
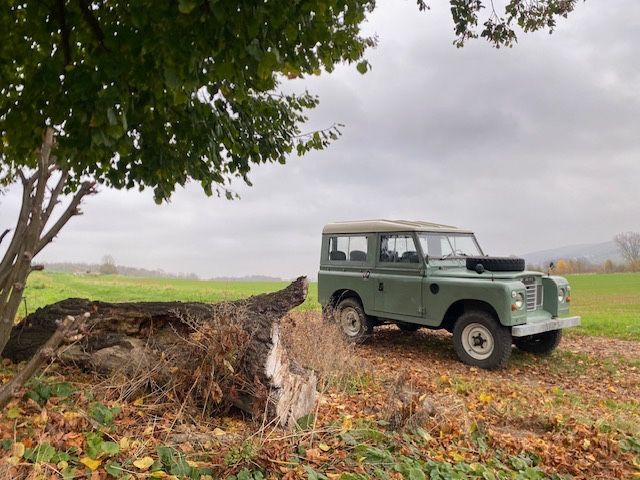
(131, 337)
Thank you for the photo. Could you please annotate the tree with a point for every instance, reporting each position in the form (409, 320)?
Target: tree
(629, 245)
(108, 265)
(154, 94)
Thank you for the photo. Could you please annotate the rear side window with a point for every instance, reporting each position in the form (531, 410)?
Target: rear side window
(398, 249)
(348, 248)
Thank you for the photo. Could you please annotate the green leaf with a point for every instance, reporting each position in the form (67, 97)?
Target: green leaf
(111, 116)
(114, 469)
(110, 448)
(306, 422)
(362, 67)
(42, 453)
(187, 6)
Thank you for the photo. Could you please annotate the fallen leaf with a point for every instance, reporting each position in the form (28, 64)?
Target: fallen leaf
(17, 450)
(143, 463)
(90, 463)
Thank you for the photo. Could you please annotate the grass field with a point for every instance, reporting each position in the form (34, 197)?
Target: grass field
(609, 304)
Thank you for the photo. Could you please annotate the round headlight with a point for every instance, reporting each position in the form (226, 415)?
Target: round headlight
(561, 295)
(519, 300)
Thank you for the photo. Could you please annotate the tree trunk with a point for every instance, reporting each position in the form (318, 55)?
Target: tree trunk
(136, 338)
(32, 232)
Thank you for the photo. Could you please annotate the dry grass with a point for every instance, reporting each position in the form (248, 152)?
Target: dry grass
(319, 345)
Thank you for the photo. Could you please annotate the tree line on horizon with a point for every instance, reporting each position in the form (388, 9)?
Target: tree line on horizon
(628, 244)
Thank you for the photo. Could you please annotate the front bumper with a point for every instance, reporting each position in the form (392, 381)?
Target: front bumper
(544, 326)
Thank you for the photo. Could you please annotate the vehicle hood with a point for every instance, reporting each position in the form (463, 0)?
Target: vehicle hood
(458, 272)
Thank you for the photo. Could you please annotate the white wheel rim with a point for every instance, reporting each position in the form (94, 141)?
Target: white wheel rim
(350, 321)
(477, 341)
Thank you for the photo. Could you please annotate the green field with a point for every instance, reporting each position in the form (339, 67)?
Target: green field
(609, 304)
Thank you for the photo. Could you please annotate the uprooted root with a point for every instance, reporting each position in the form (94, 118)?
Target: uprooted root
(200, 367)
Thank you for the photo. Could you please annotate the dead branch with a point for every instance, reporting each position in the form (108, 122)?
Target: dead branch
(68, 327)
(87, 188)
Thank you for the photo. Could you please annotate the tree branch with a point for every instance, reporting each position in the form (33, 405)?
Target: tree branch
(55, 193)
(87, 188)
(4, 234)
(64, 32)
(92, 21)
(47, 352)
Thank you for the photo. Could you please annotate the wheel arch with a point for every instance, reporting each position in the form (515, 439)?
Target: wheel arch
(339, 295)
(459, 307)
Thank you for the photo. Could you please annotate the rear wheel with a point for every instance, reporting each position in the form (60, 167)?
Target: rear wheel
(539, 344)
(480, 340)
(355, 324)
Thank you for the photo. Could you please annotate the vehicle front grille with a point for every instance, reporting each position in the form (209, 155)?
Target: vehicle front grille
(534, 296)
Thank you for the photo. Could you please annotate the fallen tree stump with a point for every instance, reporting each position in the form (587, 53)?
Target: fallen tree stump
(229, 353)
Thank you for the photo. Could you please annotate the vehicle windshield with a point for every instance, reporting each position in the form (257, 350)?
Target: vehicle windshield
(449, 245)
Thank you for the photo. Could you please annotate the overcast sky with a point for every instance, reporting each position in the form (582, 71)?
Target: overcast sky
(533, 147)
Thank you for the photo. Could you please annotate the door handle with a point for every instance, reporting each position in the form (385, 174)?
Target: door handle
(366, 274)
(380, 286)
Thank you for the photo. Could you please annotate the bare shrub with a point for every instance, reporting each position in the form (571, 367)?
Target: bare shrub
(319, 345)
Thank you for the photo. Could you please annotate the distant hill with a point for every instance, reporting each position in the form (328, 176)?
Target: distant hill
(594, 253)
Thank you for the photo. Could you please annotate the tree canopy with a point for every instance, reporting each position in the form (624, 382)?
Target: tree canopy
(153, 94)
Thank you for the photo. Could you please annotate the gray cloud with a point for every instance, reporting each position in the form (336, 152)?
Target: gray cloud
(532, 147)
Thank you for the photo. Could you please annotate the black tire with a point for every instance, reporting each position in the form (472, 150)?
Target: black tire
(356, 325)
(479, 340)
(408, 327)
(496, 264)
(539, 344)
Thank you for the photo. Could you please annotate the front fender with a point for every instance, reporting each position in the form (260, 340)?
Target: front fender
(497, 294)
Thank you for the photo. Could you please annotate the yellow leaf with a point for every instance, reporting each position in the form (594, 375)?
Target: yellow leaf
(158, 474)
(62, 464)
(18, 449)
(14, 412)
(586, 444)
(90, 463)
(485, 398)
(124, 443)
(456, 456)
(324, 447)
(143, 463)
(347, 423)
(12, 460)
(192, 464)
(218, 432)
(138, 401)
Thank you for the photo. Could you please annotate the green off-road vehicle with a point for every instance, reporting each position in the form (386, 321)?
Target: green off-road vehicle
(419, 274)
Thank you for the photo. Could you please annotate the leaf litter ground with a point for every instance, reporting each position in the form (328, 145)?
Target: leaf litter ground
(575, 414)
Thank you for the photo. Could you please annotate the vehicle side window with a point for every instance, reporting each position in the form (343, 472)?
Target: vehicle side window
(398, 249)
(353, 249)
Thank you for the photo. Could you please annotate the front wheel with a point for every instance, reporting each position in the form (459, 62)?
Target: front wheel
(539, 344)
(355, 324)
(479, 340)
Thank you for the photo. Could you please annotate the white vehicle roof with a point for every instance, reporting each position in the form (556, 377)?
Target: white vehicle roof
(372, 226)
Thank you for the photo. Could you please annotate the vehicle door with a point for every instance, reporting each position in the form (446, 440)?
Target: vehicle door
(397, 279)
